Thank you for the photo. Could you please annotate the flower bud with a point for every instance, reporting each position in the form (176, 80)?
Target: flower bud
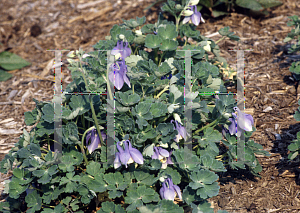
(117, 56)
(71, 54)
(172, 107)
(165, 145)
(71, 61)
(178, 6)
(193, 2)
(121, 36)
(162, 179)
(177, 118)
(207, 46)
(187, 13)
(85, 55)
(201, 19)
(138, 32)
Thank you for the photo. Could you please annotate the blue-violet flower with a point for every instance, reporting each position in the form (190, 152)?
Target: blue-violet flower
(163, 155)
(128, 156)
(119, 71)
(95, 140)
(124, 51)
(181, 131)
(168, 192)
(196, 17)
(240, 122)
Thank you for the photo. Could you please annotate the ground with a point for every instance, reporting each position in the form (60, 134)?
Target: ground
(29, 28)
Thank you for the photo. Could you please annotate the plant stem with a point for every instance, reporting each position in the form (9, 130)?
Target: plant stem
(161, 58)
(156, 56)
(143, 92)
(165, 89)
(45, 149)
(220, 39)
(132, 88)
(208, 125)
(108, 85)
(96, 121)
(135, 50)
(177, 22)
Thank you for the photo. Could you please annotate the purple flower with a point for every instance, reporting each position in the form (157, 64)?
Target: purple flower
(196, 17)
(240, 122)
(155, 32)
(163, 155)
(168, 192)
(165, 77)
(124, 51)
(119, 71)
(128, 156)
(95, 139)
(181, 131)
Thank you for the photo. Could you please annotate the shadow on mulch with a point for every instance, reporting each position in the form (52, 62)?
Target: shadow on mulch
(281, 146)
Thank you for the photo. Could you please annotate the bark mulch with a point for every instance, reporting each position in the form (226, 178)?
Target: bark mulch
(29, 28)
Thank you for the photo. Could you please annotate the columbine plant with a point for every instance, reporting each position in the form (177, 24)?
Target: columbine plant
(151, 165)
(294, 147)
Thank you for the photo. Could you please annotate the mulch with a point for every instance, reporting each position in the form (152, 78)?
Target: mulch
(29, 28)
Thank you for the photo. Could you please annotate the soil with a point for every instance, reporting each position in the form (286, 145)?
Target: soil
(29, 28)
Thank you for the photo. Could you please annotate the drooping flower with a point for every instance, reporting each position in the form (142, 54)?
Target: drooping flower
(181, 131)
(119, 70)
(239, 122)
(167, 192)
(163, 155)
(128, 156)
(196, 17)
(95, 139)
(123, 51)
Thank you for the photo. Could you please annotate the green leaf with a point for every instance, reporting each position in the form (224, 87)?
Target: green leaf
(249, 4)
(80, 103)
(152, 41)
(34, 201)
(4, 76)
(11, 61)
(144, 178)
(158, 109)
(45, 128)
(118, 30)
(169, 6)
(165, 206)
(216, 13)
(209, 190)
(140, 196)
(204, 206)
(127, 98)
(176, 177)
(168, 32)
(189, 30)
(132, 60)
(108, 207)
(93, 168)
(15, 189)
(210, 163)
(58, 208)
(18, 173)
(168, 45)
(70, 133)
(186, 159)
(270, 3)
(148, 28)
(133, 23)
(202, 178)
(48, 113)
